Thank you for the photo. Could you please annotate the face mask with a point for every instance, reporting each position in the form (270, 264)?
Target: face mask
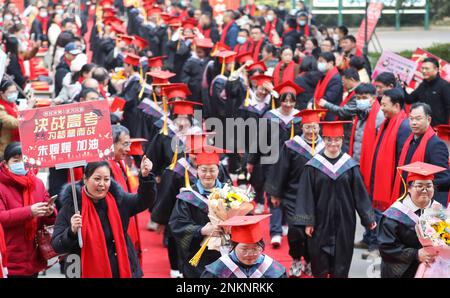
(8, 17)
(322, 66)
(302, 23)
(43, 14)
(363, 104)
(12, 97)
(281, 7)
(18, 168)
(60, 11)
(241, 39)
(270, 18)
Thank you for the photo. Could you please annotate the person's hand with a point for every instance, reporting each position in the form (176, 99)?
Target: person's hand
(211, 230)
(75, 223)
(322, 102)
(309, 230)
(146, 166)
(39, 209)
(425, 256)
(50, 210)
(275, 201)
(373, 225)
(248, 63)
(249, 168)
(268, 86)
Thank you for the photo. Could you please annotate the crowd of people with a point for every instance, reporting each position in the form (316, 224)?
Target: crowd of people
(344, 139)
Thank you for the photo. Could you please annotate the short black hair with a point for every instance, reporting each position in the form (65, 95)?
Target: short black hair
(244, 30)
(331, 40)
(386, 78)
(396, 96)
(67, 20)
(349, 37)
(344, 29)
(5, 84)
(328, 56)
(13, 149)
(291, 22)
(351, 73)
(432, 61)
(426, 108)
(270, 48)
(365, 88)
(309, 63)
(284, 96)
(357, 62)
(257, 27)
(90, 168)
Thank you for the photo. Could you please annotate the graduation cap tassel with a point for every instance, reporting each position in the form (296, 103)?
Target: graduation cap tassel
(405, 191)
(154, 98)
(273, 102)
(187, 183)
(164, 129)
(174, 158)
(222, 72)
(313, 144)
(232, 68)
(141, 93)
(196, 258)
(178, 45)
(247, 96)
(292, 130)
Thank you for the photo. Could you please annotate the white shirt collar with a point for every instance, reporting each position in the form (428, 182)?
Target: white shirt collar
(408, 202)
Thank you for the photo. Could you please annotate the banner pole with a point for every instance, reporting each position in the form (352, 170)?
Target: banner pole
(75, 203)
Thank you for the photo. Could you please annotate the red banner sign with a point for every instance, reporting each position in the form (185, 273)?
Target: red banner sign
(66, 133)
(373, 15)
(418, 56)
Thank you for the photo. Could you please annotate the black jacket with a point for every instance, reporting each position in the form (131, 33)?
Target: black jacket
(64, 241)
(436, 93)
(308, 81)
(291, 39)
(61, 70)
(14, 70)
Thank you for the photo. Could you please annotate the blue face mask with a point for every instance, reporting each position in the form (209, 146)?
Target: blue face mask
(302, 23)
(18, 168)
(12, 97)
(241, 39)
(363, 104)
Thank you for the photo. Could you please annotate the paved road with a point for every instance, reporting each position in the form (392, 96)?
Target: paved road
(409, 38)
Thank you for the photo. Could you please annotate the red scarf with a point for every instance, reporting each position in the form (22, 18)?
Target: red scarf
(28, 185)
(251, 9)
(94, 254)
(367, 142)
(323, 84)
(288, 73)
(349, 96)
(385, 170)
(305, 30)
(206, 32)
(3, 259)
(269, 27)
(225, 32)
(256, 49)
(242, 48)
(44, 22)
(419, 155)
(21, 64)
(11, 109)
(102, 91)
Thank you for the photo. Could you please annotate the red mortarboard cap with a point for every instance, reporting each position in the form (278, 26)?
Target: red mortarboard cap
(165, 16)
(132, 59)
(443, 132)
(161, 76)
(244, 57)
(155, 10)
(175, 22)
(189, 23)
(204, 43)
(206, 155)
(229, 56)
(126, 38)
(176, 90)
(140, 42)
(136, 146)
(112, 19)
(258, 65)
(311, 116)
(156, 61)
(421, 171)
(333, 128)
(117, 104)
(184, 107)
(106, 2)
(245, 229)
(222, 47)
(197, 140)
(289, 87)
(261, 79)
(109, 14)
(109, 9)
(119, 29)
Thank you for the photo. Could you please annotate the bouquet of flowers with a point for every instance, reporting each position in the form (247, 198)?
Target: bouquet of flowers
(433, 231)
(224, 203)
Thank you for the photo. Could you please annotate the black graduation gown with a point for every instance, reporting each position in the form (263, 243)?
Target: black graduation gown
(192, 75)
(398, 244)
(160, 152)
(131, 93)
(186, 221)
(328, 202)
(105, 48)
(179, 53)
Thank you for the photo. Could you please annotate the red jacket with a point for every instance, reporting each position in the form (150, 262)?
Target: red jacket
(22, 255)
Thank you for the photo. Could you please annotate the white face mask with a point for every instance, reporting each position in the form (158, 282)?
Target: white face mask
(241, 39)
(270, 18)
(322, 66)
(363, 104)
(43, 14)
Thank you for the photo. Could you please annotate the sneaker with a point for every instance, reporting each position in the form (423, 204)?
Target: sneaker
(370, 254)
(307, 269)
(285, 230)
(175, 274)
(361, 245)
(296, 268)
(152, 226)
(259, 209)
(276, 241)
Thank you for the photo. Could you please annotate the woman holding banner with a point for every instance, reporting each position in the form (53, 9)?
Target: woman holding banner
(9, 131)
(105, 214)
(23, 209)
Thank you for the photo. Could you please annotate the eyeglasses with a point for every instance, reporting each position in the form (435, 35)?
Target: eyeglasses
(126, 144)
(420, 187)
(250, 251)
(333, 140)
(206, 171)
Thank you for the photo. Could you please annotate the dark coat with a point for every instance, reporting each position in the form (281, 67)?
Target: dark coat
(232, 34)
(64, 241)
(61, 70)
(291, 39)
(334, 94)
(14, 70)
(192, 75)
(308, 81)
